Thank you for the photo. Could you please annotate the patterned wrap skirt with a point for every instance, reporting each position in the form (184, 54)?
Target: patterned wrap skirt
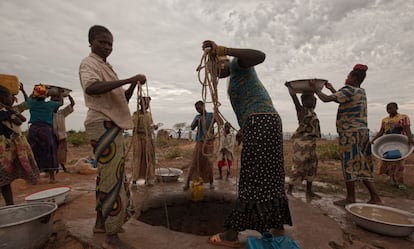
(17, 160)
(356, 155)
(262, 203)
(112, 191)
(44, 146)
(305, 160)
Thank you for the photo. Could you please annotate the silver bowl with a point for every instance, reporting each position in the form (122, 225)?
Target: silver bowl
(302, 86)
(381, 219)
(26, 226)
(168, 174)
(57, 195)
(392, 142)
(57, 91)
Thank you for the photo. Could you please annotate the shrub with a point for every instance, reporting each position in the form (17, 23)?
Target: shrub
(174, 152)
(77, 138)
(329, 150)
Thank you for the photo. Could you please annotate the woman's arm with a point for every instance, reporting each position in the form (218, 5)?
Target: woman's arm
(99, 88)
(246, 57)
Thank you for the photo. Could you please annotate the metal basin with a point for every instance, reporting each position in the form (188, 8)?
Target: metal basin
(168, 174)
(26, 226)
(381, 219)
(57, 195)
(302, 86)
(392, 142)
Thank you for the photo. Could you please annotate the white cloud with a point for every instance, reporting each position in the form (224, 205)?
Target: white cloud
(44, 41)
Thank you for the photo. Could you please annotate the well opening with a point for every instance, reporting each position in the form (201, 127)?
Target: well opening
(200, 218)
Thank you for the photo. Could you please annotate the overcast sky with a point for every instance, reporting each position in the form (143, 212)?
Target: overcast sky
(44, 42)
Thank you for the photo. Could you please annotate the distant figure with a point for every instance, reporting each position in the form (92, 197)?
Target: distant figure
(143, 152)
(202, 165)
(179, 133)
(107, 117)
(225, 154)
(395, 123)
(352, 127)
(305, 159)
(41, 137)
(59, 128)
(17, 159)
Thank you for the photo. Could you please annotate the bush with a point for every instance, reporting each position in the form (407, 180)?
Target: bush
(77, 138)
(174, 152)
(329, 150)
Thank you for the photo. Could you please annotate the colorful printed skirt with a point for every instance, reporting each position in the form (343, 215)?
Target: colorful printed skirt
(356, 155)
(112, 191)
(393, 169)
(262, 203)
(305, 160)
(17, 160)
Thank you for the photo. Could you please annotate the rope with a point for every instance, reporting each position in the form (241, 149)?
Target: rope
(208, 76)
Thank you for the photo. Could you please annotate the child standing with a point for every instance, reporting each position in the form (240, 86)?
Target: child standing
(17, 160)
(305, 159)
(225, 157)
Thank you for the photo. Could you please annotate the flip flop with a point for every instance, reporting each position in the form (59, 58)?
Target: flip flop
(217, 241)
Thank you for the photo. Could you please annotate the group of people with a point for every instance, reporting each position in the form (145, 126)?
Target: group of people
(45, 147)
(262, 202)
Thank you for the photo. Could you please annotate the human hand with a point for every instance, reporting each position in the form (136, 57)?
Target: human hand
(138, 79)
(21, 88)
(329, 86)
(209, 44)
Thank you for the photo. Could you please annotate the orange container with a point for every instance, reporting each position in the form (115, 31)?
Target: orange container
(10, 82)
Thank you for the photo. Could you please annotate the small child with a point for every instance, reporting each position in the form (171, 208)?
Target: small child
(17, 160)
(225, 157)
(305, 159)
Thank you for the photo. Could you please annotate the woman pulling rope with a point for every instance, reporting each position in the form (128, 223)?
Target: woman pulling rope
(262, 202)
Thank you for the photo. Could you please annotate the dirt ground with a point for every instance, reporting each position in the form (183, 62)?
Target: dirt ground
(85, 182)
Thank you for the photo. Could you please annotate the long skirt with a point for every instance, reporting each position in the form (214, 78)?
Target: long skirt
(305, 160)
(112, 192)
(17, 161)
(202, 163)
(143, 158)
(394, 169)
(356, 156)
(62, 151)
(262, 203)
(44, 146)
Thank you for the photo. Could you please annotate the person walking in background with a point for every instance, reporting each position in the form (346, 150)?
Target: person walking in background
(16, 156)
(352, 127)
(143, 146)
(41, 136)
(305, 159)
(202, 163)
(262, 204)
(225, 154)
(108, 115)
(59, 128)
(395, 123)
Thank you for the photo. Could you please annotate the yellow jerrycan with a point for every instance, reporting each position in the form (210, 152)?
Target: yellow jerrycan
(197, 190)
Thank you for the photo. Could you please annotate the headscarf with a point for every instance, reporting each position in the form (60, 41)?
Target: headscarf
(40, 91)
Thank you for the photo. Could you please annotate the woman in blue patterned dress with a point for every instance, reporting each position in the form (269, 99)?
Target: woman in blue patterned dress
(262, 203)
(352, 127)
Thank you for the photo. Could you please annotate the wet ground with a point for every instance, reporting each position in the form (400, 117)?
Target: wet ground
(317, 224)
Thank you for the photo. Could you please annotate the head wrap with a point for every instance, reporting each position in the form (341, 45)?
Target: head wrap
(360, 67)
(40, 91)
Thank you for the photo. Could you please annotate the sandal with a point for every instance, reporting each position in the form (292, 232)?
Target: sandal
(217, 241)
